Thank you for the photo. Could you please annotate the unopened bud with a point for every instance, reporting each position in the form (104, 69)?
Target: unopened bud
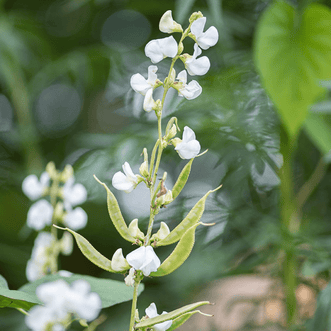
(195, 16)
(163, 231)
(67, 173)
(129, 280)
(135, 231)
(172, 132)
(180, 48)
(143, 169)
(51, 170)
(58, 211)
(118, 262)
(175, 141)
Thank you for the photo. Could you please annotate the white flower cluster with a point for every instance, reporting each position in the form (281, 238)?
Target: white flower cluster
(159, 49)
(142, 258)
(43, 255)
(41, 212)
(61, 301)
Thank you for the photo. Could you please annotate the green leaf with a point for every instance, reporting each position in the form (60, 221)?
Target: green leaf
(111, 292)
(90, 252)
(292, 54)
(170, 316)
(318, 128)
(15, 299)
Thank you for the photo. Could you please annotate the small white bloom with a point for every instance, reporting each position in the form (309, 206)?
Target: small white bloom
(65, 273)
(144, 259)
(129, 279)
(189, 147)
(75, 219)
(191, 90)
(40, 317)
(168, 25)
(149, 102)
(118, 262)
(40, 214)
(66, 243)
(73, 194)
(196, 66)
(135, 231)
(125, 181)
(204, 39)
(158, 49)
(151, 312)
(142, 85)
(33, 188)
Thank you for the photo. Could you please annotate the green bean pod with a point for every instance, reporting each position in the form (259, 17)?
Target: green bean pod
(182, 179)
(149, 322)
(179, 254)
(115, 214)
(90, 252)
(191, 218)
(177, 322)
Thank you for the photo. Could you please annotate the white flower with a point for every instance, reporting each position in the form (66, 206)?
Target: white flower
(118, 262)
(75, 219)
(125, 181)
(40, 214)
(168, 25)
(33, 188)
(149, 102)
(129, 279)
(189, 147)
(73, 194)
(59, 300)
(142, 85)
(204, 39)
(66, 243)
(151, 312)
(158, 49)
(144, 259)
(196, 66)
(37, 265)
(191, 90)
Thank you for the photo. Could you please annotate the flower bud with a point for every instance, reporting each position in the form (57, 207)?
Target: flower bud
(168, 25)
(50, 168)
(135, 231)
(180, 48)
(129, 279)
(143, 169)
(164, 199)
(118, 262)
(67, 173)
(175, 141)
(58, 212)
(172, 132)
(162, 233)
(195, 16)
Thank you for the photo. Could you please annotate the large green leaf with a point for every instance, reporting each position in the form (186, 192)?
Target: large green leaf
(111, 292)
(15, 299)
(292, 54)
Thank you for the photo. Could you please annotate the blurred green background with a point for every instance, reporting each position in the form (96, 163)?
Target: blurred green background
(65, 96)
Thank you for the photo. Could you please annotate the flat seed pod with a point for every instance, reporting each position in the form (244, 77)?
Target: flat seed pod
(170, 316)
(192, 218)
(179, 254)
(182, 179)
(115, 214)
(90, 252)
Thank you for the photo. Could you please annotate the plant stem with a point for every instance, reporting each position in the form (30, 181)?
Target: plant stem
(291, 226)
(134, 305)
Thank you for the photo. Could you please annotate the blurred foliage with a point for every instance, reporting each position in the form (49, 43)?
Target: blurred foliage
(61, 58)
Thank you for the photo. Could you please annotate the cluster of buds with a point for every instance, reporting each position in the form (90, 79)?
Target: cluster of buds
(159, 49)
(63, 303)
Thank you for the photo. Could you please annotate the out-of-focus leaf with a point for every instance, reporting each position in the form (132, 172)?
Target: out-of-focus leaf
(292, 54)
(318, 128)
(183, 10)
(111, 292)
(3, 282)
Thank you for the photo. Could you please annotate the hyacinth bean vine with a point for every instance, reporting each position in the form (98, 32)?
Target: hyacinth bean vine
(59, 298)
(143, 261)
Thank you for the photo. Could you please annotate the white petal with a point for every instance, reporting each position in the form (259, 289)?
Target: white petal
(153, 51)
(151, 263)
(44, 179)
(198, 25)
(197, 51)
(169, 46)
(32, 188)
(151, 310)
(139, 84)
(149, 101)
(129, 279)
(188, 150)
(209, 38)
(182, 76)
(67, 243)
(76, 219)
(118, 262)
(74, 194)
(191, 90)
(167, 24)
(121, 182)
(129, 173)
(137, 257)
(188, 134)
(198, 66)
(162, 326)
(81, 286)
(39, 215)
(152, 77)
(89, 309)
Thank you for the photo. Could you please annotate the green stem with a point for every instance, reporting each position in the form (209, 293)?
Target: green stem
(134, 305)
(291, 226)
(23, 311)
